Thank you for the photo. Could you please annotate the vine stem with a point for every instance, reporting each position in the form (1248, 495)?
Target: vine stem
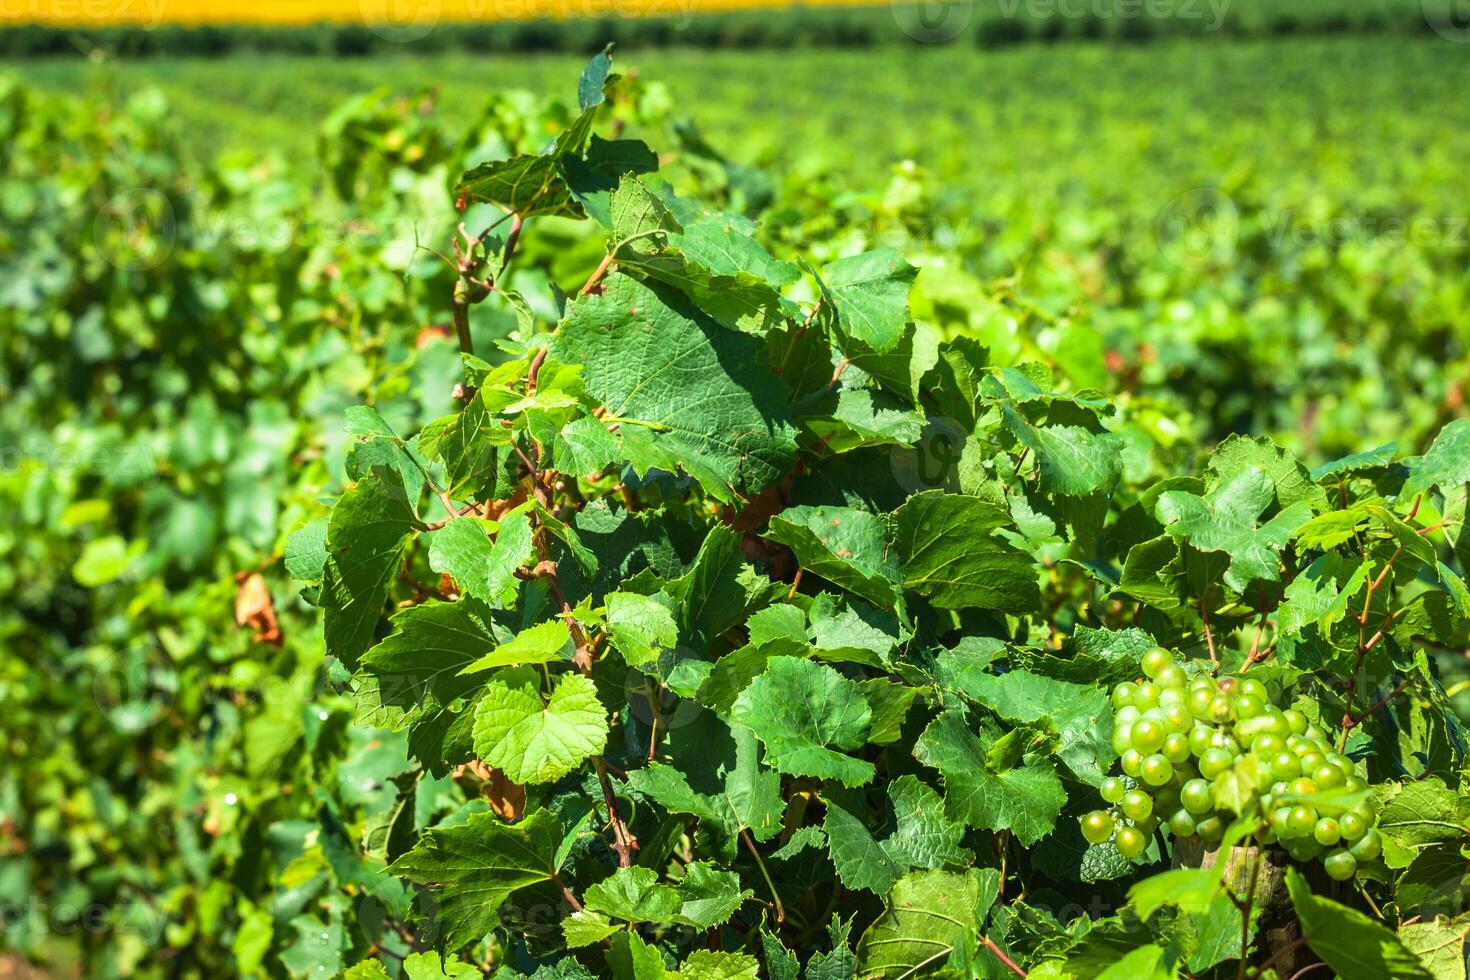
(1349, 719)
(1204, 612)
(511, 238)
(1000, 955)
(1281, 953)
(566, 892)
(598, 273)
(624, 843)
(775, 895)
(1245, 914)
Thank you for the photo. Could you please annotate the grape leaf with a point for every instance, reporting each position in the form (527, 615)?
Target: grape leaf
(804, 712)
(951, 556)
(1446, 465)
(481, 567)
(1352, 944)
(475, 866)
(867, 296)
(534, 742)
(686, 393)
(928, 915)
(1225, 520)
(368, 530)
(1024, 799)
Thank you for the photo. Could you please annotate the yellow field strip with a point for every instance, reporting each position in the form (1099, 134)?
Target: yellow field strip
(155, 12)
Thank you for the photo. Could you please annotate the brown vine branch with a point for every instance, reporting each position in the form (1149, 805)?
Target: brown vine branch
(566, 892)
(624, 843)
(597, 274)
(1000, 955)
(1204, 612)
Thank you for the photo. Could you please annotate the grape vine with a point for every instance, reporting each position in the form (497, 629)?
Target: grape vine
(766, 628)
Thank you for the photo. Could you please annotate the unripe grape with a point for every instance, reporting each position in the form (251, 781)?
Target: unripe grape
(1312, 761)
(1176, 719)
(1122, 737)
(1181, 823)
(1112, 789)
(1268, 745)
(1344, 763)
(1280, 824)
(1176, 748)
(1171, 678)
(1199, 739)
(1328, 777)
(1252, 728)
(1220, 709)
(1132, 763)
(1123, 694)
(1254, 688)
(1136, 805)
(1146, 696)
(1214, 762)
(1296, 720)
(1126, 715)
(1211, 829)
(1300, 822)
(1195, 796)
(1156, 659)
(1130, 842)
(1147, 736)
(1285, 766)
(1156, 770)
(1352, 826)
(1304, 848)
(1199, 701)
(1097, 826)
(1247, 707)
(1355, 784)
(1327, 832)
(1302, 787)
(1367, 847)
(1340, 865)
(1275, 723)
(1222, 739)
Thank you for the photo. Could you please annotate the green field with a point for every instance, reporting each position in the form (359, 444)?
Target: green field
(1054, 161)
(1160, 291)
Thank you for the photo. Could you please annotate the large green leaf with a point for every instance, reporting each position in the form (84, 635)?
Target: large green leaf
(1355, 946)
(929, 915)
(536, 742)
(474, 867)
(1025, 799)
(808, 715)
(686, 394)
(952, 557)
(1227, 520)
(369, 528)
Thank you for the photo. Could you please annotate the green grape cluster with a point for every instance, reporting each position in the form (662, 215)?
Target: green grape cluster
(1178, 738)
